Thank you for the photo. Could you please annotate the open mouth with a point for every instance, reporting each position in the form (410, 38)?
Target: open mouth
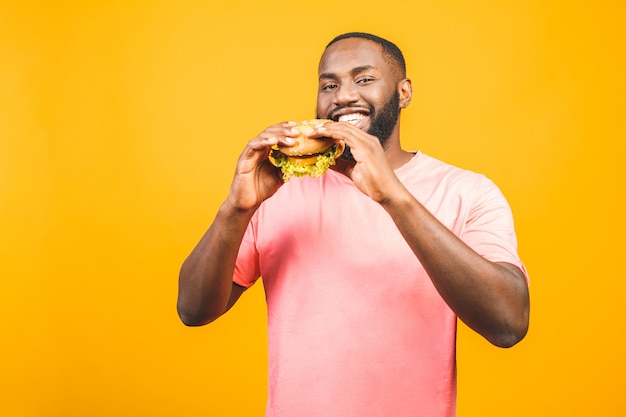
(356, 119)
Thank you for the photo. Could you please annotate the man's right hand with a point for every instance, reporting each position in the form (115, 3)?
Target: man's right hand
(256, 179)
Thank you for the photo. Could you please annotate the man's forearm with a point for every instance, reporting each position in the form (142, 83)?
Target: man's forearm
(490, 298)
(205, 281)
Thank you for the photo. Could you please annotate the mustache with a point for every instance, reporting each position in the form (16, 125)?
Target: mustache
(331, 114)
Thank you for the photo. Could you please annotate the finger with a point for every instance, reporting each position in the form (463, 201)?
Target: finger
(283, 134)
(278, 133)
(339, 131)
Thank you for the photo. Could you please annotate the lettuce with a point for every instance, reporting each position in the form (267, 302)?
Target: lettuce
(291, 169)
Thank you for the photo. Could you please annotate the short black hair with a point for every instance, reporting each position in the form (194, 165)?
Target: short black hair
(390, 49)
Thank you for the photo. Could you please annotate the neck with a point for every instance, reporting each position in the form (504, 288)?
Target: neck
(398, 157)
(395, 154)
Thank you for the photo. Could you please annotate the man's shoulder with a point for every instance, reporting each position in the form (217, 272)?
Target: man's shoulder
(433, 167)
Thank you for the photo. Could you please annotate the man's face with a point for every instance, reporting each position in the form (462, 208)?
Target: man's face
(359, 86)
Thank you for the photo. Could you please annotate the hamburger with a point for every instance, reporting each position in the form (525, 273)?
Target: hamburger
(309, 156)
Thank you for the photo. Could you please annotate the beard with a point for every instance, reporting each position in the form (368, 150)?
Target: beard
(382, 123)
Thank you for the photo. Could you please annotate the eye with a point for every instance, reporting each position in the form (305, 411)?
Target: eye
(364, 80)
(328, 86)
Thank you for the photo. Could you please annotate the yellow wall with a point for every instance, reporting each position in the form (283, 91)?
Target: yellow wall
(120, 122)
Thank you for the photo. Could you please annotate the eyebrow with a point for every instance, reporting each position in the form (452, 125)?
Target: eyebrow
(354, 71)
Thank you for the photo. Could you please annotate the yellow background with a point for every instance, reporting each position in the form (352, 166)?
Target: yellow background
(120, 123)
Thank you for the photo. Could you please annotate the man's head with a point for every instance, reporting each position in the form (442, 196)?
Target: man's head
(362, 80)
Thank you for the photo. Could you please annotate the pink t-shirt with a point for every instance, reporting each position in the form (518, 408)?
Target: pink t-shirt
(355, 326)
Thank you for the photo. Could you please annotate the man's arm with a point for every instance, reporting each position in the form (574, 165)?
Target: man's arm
(491, 298)
(205, 286)
(206, 289)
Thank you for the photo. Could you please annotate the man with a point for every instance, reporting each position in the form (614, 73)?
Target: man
(366, 268)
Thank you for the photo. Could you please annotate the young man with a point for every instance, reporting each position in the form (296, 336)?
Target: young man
(366, 268)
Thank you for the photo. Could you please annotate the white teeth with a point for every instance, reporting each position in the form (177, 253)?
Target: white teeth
(351, 118)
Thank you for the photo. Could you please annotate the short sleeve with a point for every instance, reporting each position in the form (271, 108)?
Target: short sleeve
(489, 228)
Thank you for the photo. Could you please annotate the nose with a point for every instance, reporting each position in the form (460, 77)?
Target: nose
(346, 93)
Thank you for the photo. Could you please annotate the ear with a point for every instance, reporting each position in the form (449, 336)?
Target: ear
(405, 89)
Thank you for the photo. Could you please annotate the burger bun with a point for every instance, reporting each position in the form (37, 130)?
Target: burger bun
(305, 145)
